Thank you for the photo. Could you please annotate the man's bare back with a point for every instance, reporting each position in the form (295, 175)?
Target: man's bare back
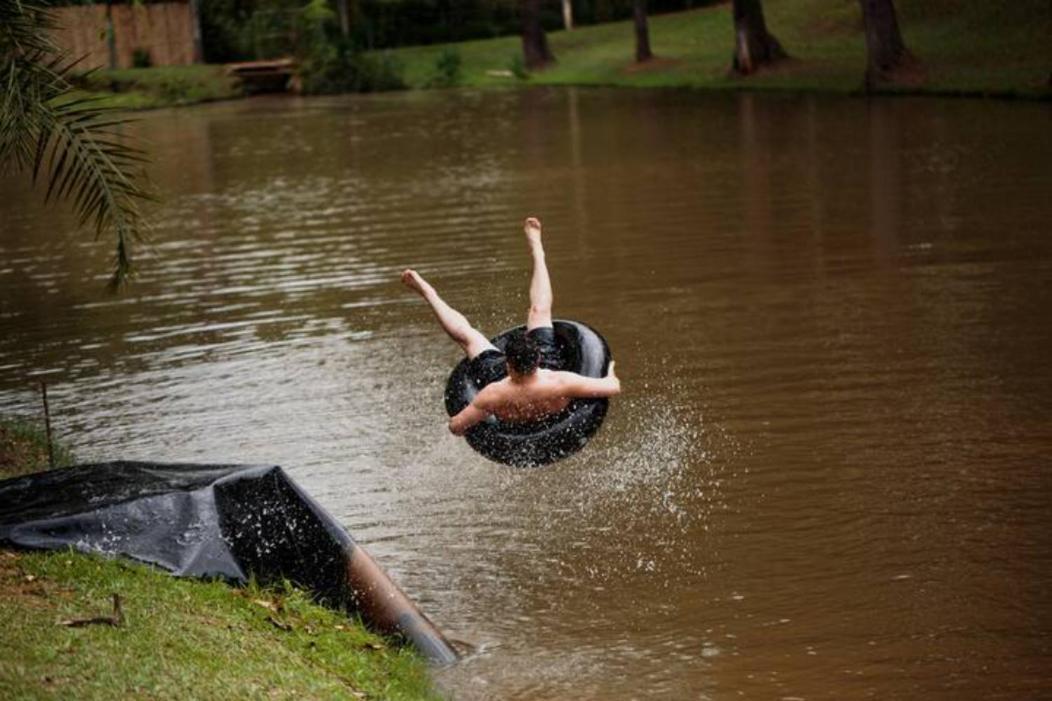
(531, 397)
(528, 399)
(529, 392)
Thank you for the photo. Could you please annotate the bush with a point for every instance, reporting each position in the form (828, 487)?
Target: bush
(331, 63)
(336, 68)
(447, 69)
(378, 73)
(517, 66)
(141, 58)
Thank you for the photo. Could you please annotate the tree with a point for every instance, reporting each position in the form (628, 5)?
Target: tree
(195, 21)
(534, 40)
(639, 17)
(568, 14)
(111, 37)
(885, 50)
(70, 142)
(344, 13)
(754, 46)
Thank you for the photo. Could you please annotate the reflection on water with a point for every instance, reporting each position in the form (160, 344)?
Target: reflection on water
(827, 478)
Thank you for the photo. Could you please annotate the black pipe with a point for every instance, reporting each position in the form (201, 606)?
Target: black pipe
(387, 609)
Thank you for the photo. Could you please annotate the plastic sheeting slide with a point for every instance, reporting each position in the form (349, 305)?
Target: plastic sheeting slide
(215, 521)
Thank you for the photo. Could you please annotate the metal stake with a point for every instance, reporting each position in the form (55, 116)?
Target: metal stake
(47, 426)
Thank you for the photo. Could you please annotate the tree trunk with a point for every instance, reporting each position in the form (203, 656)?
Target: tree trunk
(344, 14)
(568, 14)
(639, 16)
(753, 45)
(534, 40)
(885, 49)
(195, 20)
(111, 36)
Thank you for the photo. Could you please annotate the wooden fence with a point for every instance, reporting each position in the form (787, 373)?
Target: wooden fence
(164, 30)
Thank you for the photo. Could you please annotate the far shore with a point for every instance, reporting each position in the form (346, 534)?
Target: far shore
(977, 51)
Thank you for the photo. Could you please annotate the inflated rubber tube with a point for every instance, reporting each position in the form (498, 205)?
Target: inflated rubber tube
(522, 444)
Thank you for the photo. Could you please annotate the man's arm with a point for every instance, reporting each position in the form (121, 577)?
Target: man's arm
(471, 415)
(574, 385)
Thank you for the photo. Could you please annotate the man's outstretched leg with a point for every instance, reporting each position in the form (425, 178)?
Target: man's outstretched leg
(453, 322)
(540, 313)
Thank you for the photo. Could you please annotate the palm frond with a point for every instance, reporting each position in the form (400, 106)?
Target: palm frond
(72, 143)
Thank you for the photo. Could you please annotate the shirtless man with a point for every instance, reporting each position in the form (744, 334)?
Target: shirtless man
(530, 391)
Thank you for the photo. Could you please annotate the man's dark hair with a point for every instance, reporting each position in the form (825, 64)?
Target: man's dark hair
(523, 354)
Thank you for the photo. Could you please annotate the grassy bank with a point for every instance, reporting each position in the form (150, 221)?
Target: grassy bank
(23, 449)
(965, 47)
(162, 86)
(174, 638)
(974, 47)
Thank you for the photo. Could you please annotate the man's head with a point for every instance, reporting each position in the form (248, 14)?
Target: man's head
(522, 353)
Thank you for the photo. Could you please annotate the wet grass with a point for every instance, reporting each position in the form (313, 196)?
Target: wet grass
(975, 47)
(175, 638)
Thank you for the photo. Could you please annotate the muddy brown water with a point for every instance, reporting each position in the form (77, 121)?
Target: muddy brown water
(828, 476)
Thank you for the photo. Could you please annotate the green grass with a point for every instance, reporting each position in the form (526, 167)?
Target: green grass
(162, 86)
(178, 638)
(181, 639)
(995, 47)
(965, 47)
(23, 448)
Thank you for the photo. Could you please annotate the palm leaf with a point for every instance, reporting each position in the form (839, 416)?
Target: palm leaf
(71, 143)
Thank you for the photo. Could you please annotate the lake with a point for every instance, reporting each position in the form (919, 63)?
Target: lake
(829, 475)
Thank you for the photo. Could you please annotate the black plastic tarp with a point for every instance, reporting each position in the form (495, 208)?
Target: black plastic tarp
(214, 521)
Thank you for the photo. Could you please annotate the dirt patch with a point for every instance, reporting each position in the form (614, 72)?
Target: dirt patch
(787, 67)
(909, 74)
(654, 65)
(834, 26)
(26, 588)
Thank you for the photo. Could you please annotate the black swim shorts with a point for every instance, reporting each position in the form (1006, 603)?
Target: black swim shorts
(491, 365)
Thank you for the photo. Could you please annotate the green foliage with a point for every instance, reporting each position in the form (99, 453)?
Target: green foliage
(141, 58)
(380, 72)
(69, 142)
(339, 69)
(517, 66)
(183, 639)
(23, 448)
(138, 88)
(331, 63)
(241, 30)
(328, 61)
(317, 13)
(447, 69)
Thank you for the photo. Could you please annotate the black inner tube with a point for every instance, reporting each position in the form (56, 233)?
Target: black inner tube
(523, 444)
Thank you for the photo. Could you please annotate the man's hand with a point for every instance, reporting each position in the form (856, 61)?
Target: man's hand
(611, 376)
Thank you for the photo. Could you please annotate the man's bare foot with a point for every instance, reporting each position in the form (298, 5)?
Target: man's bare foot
(532, 227)
(412, 280)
